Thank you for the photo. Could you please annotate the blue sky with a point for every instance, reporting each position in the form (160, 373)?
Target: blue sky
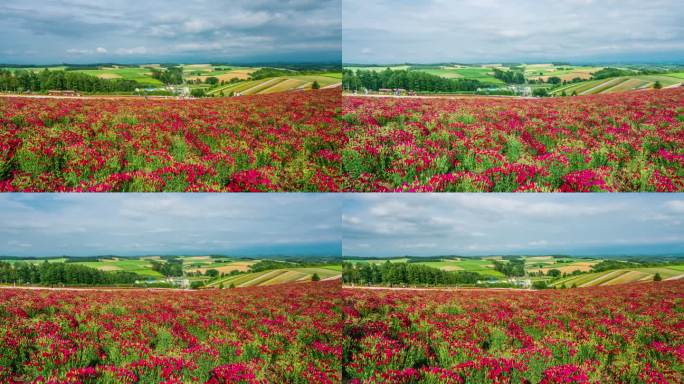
(496, 224)
(476, 31)
(151, 224)
(135, 31)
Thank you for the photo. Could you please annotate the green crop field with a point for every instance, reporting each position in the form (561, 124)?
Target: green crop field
(275, 276)
(140, 74)
(140, 266)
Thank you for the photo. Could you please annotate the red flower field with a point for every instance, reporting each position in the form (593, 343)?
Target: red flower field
(615, 142)
(615, 334)
(279, 142)
(282, 334)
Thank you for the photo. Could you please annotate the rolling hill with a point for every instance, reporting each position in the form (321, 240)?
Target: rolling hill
(620, 84)
(276, 84)
(621, 276)
(276, 276)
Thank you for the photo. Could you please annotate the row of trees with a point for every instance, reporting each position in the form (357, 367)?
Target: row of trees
(512, 268)
(46, 273)
(171, 267)
(168, 75)
(404, 274)
(509, 77)
(23, 80)
(405, 79)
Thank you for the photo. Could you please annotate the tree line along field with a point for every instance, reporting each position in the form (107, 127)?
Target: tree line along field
(615, 142)
(290, 333)
(537, 272)
(283, 142)
(143, 73)
(197, 80)
(214, 271)
(558, 79)
(613, 334)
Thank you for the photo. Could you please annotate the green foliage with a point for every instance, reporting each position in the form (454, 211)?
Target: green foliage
(404, 273)
(657, 277)
(315, 277)
(198, 92)
(540, 92)
(169, 75)
(555, 80)
(512, 267)
(21, 80)
(554, 273)
(658, 85)
(61, 273)
(315, 85)
(539, 284)
(405, 79)
(611, 72)
(169, 267)
(509, 77)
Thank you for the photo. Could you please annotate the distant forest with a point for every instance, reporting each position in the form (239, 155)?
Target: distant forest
(404, 273)
(405, 79)
(25, 80)
(47, 273)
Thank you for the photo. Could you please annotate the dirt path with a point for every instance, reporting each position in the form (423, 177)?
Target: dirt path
(449, 97)
(602, 277)
(332, 86)
(454, 289)
(612, 83)
(103, 289)
(244, 92)
(336, 277)
(102, 97)
(678, 277)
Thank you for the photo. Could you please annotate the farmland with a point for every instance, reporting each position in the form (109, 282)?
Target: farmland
(276, 276)
(549, 79)
(517, 271)
(290, 333)
(203, 271)
(197, 80)
(284, 142)
(629, 333)
(616, 142)
(276, 84)
(620, 84)
(481, 266)
(143, 73)
(621, 276)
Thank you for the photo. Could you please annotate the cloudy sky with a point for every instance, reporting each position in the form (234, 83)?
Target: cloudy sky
(144, 31)
(496, 224)
(425, 31)
(150, 224)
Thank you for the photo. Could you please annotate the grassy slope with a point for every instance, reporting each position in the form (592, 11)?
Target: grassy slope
(277, 84)
(141, 267)
(621, 276)
(275, 276)
(621, 84)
